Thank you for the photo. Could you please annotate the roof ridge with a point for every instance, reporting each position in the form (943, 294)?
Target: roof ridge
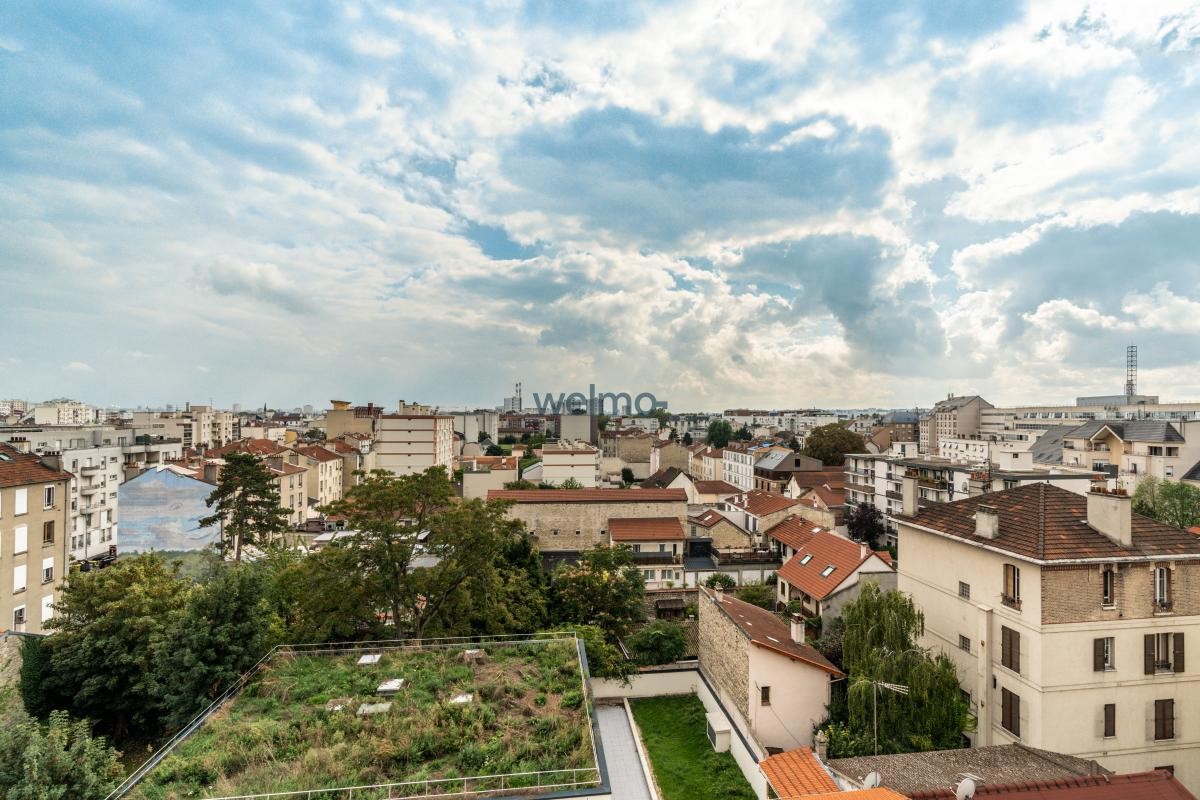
(1042, 520)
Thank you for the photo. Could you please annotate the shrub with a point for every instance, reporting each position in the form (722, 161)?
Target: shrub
(720, 580)
(660, 642)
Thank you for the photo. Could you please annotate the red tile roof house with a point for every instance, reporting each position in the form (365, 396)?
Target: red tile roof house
(657, 544)
(824, 570)
(762, 670)
(760, 510)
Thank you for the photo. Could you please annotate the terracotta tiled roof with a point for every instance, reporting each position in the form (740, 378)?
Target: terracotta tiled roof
(767, 631)
(830, 497)
(645, 529)
(878, 793)
(835, 478)
(589, 495)
(341, 447)
(662, 478)
(822, 551)
(24, 469)
(1042, 522)
(287, 469)
(760, 503)
(715, 487)
(793, 531)
(710, 518)
(797, 773)
(1154, 785)
(317, 453)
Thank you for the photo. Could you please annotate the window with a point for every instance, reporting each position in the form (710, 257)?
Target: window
(764, 695)
(1155, 450)
(1162, 588)
(19, 578)
(1172, 452)
(825, 573)
(20, 538)
(964, 590)
(807, 558)
(48, 532)
(1103, 654)
(21, 502)
(1012, 586)
(662, 548)
(48, 497)
(1108, 593)
(48, 570)
(1010, 712)
(1163, 653)
(637, 547)
(964, 643)
(1164, 720)
(1110, 720)
(18, 616)
(1010, 649)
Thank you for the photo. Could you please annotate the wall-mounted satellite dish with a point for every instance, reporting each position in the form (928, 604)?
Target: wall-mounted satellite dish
(872, 780)
(965, 789)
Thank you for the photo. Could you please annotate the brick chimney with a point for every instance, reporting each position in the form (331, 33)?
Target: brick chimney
(1111, 513)
(796, 625)
(908, 494)
(987, 522)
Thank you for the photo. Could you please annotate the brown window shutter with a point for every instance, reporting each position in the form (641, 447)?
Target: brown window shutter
(1148, 641)
(1177, 661)
(1016, 651)
(1097, 655)
(1110, 719)
(1168, 719)
(1016, 714)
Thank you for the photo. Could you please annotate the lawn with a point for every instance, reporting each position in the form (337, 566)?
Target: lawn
(295, 726)
(686, 767)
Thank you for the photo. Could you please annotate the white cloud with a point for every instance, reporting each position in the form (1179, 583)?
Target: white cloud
(1163, 309)
(78, 366)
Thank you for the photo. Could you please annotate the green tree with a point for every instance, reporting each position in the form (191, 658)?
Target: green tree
(758, 594)
(719, 433)
(660, 642)
(60, 760)
(687, 439)
(879, 644)
(390, 513)
(1178, 504)
(831, 443)
(627, 476)
(605, 589)
(483, 437)
(719, 580)
(865, 524)
(744, 434)
(322, 597)
(604, 659)
(247, 505)
(226, 625)
(103, 657)
(516, 600)
(520, 484)
(601, 421)
(35, 669)
(1145, 497)
(494, 450)
(570, 483)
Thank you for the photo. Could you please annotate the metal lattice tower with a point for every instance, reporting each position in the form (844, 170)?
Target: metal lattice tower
(1131, 370)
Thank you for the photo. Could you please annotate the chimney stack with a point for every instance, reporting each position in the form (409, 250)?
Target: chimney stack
(797, 628)
(822, 745)
(862, 550)
(908, 494)
(987, 522)
(1111, 513)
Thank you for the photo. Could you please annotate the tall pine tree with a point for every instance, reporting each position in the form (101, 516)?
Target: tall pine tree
(246, 504)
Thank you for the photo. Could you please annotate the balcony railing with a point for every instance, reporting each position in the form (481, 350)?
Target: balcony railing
(745, 556)
(1161, 604)
(656, 558)
(1011, 602)
(91, 470)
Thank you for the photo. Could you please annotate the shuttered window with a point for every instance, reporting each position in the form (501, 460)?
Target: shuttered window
(1163, 652)
(1110, 720)
(1010, 649)
(1103, 654)
(1010, 712)
(1164, 719)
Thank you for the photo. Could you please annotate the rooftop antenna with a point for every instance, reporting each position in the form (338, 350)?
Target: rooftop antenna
(1130, 372)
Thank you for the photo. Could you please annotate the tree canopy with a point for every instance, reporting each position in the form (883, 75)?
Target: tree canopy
(719, 433)
(1170, 502)
(831, 443)
(865, 524)
(660, 642)
(246, 504)
(605, 589)
(55, 761)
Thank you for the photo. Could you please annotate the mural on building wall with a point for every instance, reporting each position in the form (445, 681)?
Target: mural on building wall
(160, 510)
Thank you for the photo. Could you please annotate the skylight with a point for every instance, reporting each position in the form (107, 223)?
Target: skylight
(825, 573)
(807, 558)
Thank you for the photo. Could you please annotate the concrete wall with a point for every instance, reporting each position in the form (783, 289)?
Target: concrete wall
(799, 697)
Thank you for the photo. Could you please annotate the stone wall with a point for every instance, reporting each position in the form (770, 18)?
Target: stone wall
(726, 535)
(590, 519)
(724, 659)
(1073, 594)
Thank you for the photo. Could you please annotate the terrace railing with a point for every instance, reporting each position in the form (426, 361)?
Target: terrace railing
(554, 780)
(361, 792)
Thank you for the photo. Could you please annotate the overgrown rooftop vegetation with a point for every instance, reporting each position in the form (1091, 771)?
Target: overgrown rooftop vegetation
(296, 725)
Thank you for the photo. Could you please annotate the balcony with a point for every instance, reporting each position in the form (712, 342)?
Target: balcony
(92, 470)
(762, 556)
(1011, 602)
(88, 491)
(656, 558)
(1162, 606)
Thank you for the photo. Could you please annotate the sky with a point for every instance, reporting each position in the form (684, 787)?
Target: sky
(772, 204)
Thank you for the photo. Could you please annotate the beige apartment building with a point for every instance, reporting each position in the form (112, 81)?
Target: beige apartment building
(569, 521)
(343, 418)
(35, 520)
(324, 481)
(1131, 450)
(565, 460)
(658, 547)
(952, 418)
(409, 443)
(1069, 618)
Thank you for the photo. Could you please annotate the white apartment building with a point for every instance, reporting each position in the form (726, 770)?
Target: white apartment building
(469, 424)
(737, 466)
(408, 443)
(951, 418)
(567, 459)
(64, 412)
(1069, 619)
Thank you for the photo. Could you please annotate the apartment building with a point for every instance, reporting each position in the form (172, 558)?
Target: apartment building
(565, 522)
(951, 418)
(471, 424)
(708, 464)
(64, 412)
(1068, 619)
(565, 460)
(197, 426)
(324, 481)
(737, 466)
(342, 418)
(34, 519)
(658, 547)
(1130, 450)
(410, 443)
(669, 453)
